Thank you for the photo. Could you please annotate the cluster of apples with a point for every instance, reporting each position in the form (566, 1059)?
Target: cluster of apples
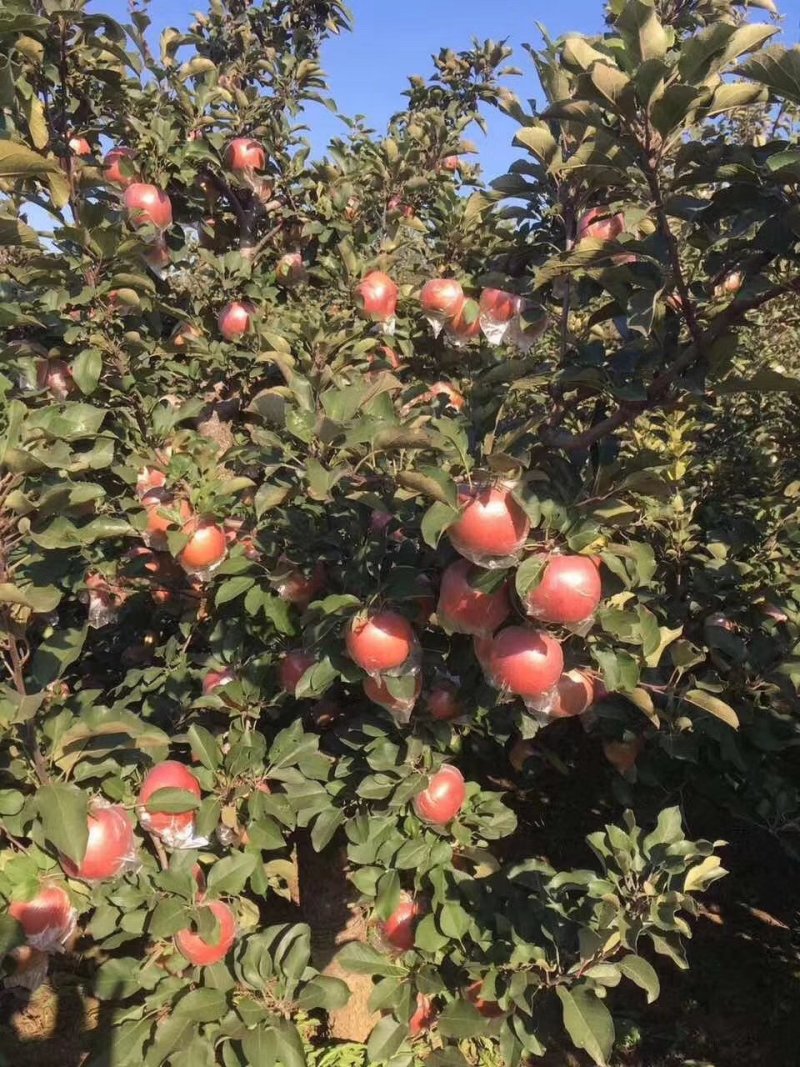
(398, 934)
(497, 314)
(523, 660)
(207, 544)
(48, 920)
(147, 206)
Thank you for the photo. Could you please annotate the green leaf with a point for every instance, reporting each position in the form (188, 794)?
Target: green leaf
(642, 973)
(260, 1046)
(55, 654)
(453, 920)
(204, 746)
(64, 811)
(431, 482)
(428, 937)
(620, 670)
(325, 992)
(229, 875)
(668, 830)
(14, 233)
(539, 140)
(714, 706)
(778, 68)
(233, 588)
(325, 826)
(700, 877)
(435, 521)
(117, 979)
(87, 368)
(529, 574)
(171, 801)
(18, 161)
(289, 1045)
(641, 30)
(12, 934)
(168, 917)
(358, 958)
(385, 1040)
(202, 1005)
(461, 1020)
(588, 1022)
(388, 893)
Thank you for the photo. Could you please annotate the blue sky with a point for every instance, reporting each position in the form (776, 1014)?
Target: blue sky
(394, 38)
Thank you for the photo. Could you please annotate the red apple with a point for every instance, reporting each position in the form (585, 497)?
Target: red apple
(576, 691)
(236, 319)
(300, 589)
(216, 680)
(207, 546)
(205, 953)
(451, 395)
(244, 155)
(293, 666)
(442, 297)
(175, 828)
(492, 525)
(489, 1009)
(376, 296)
(110, 847)
(147, 205)
(398, 930)
(149, 478)
(443, 798)
(113, 166)
(467, 610)
(465, 323)
(377, 690)
(48, 919)
(730, 284)
(599, 224)
(55, 375)
(568, 593)
(185, 334)
(380, 641)
(451, 163)
(290, 270)
(443, 702)
(498, 305)
(160, 506)
(424, 1016)
(525, 662)
(79, 146)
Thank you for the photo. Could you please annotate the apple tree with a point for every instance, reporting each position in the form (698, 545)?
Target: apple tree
(341, 497)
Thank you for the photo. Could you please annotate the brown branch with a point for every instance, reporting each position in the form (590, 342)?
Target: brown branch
(265, 240)
(232, 198)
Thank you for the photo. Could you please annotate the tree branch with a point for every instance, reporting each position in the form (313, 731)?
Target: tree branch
(687, 307)
(231, 197)
(662, 383)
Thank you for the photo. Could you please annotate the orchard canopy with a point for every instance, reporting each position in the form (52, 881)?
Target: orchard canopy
(345, 501)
